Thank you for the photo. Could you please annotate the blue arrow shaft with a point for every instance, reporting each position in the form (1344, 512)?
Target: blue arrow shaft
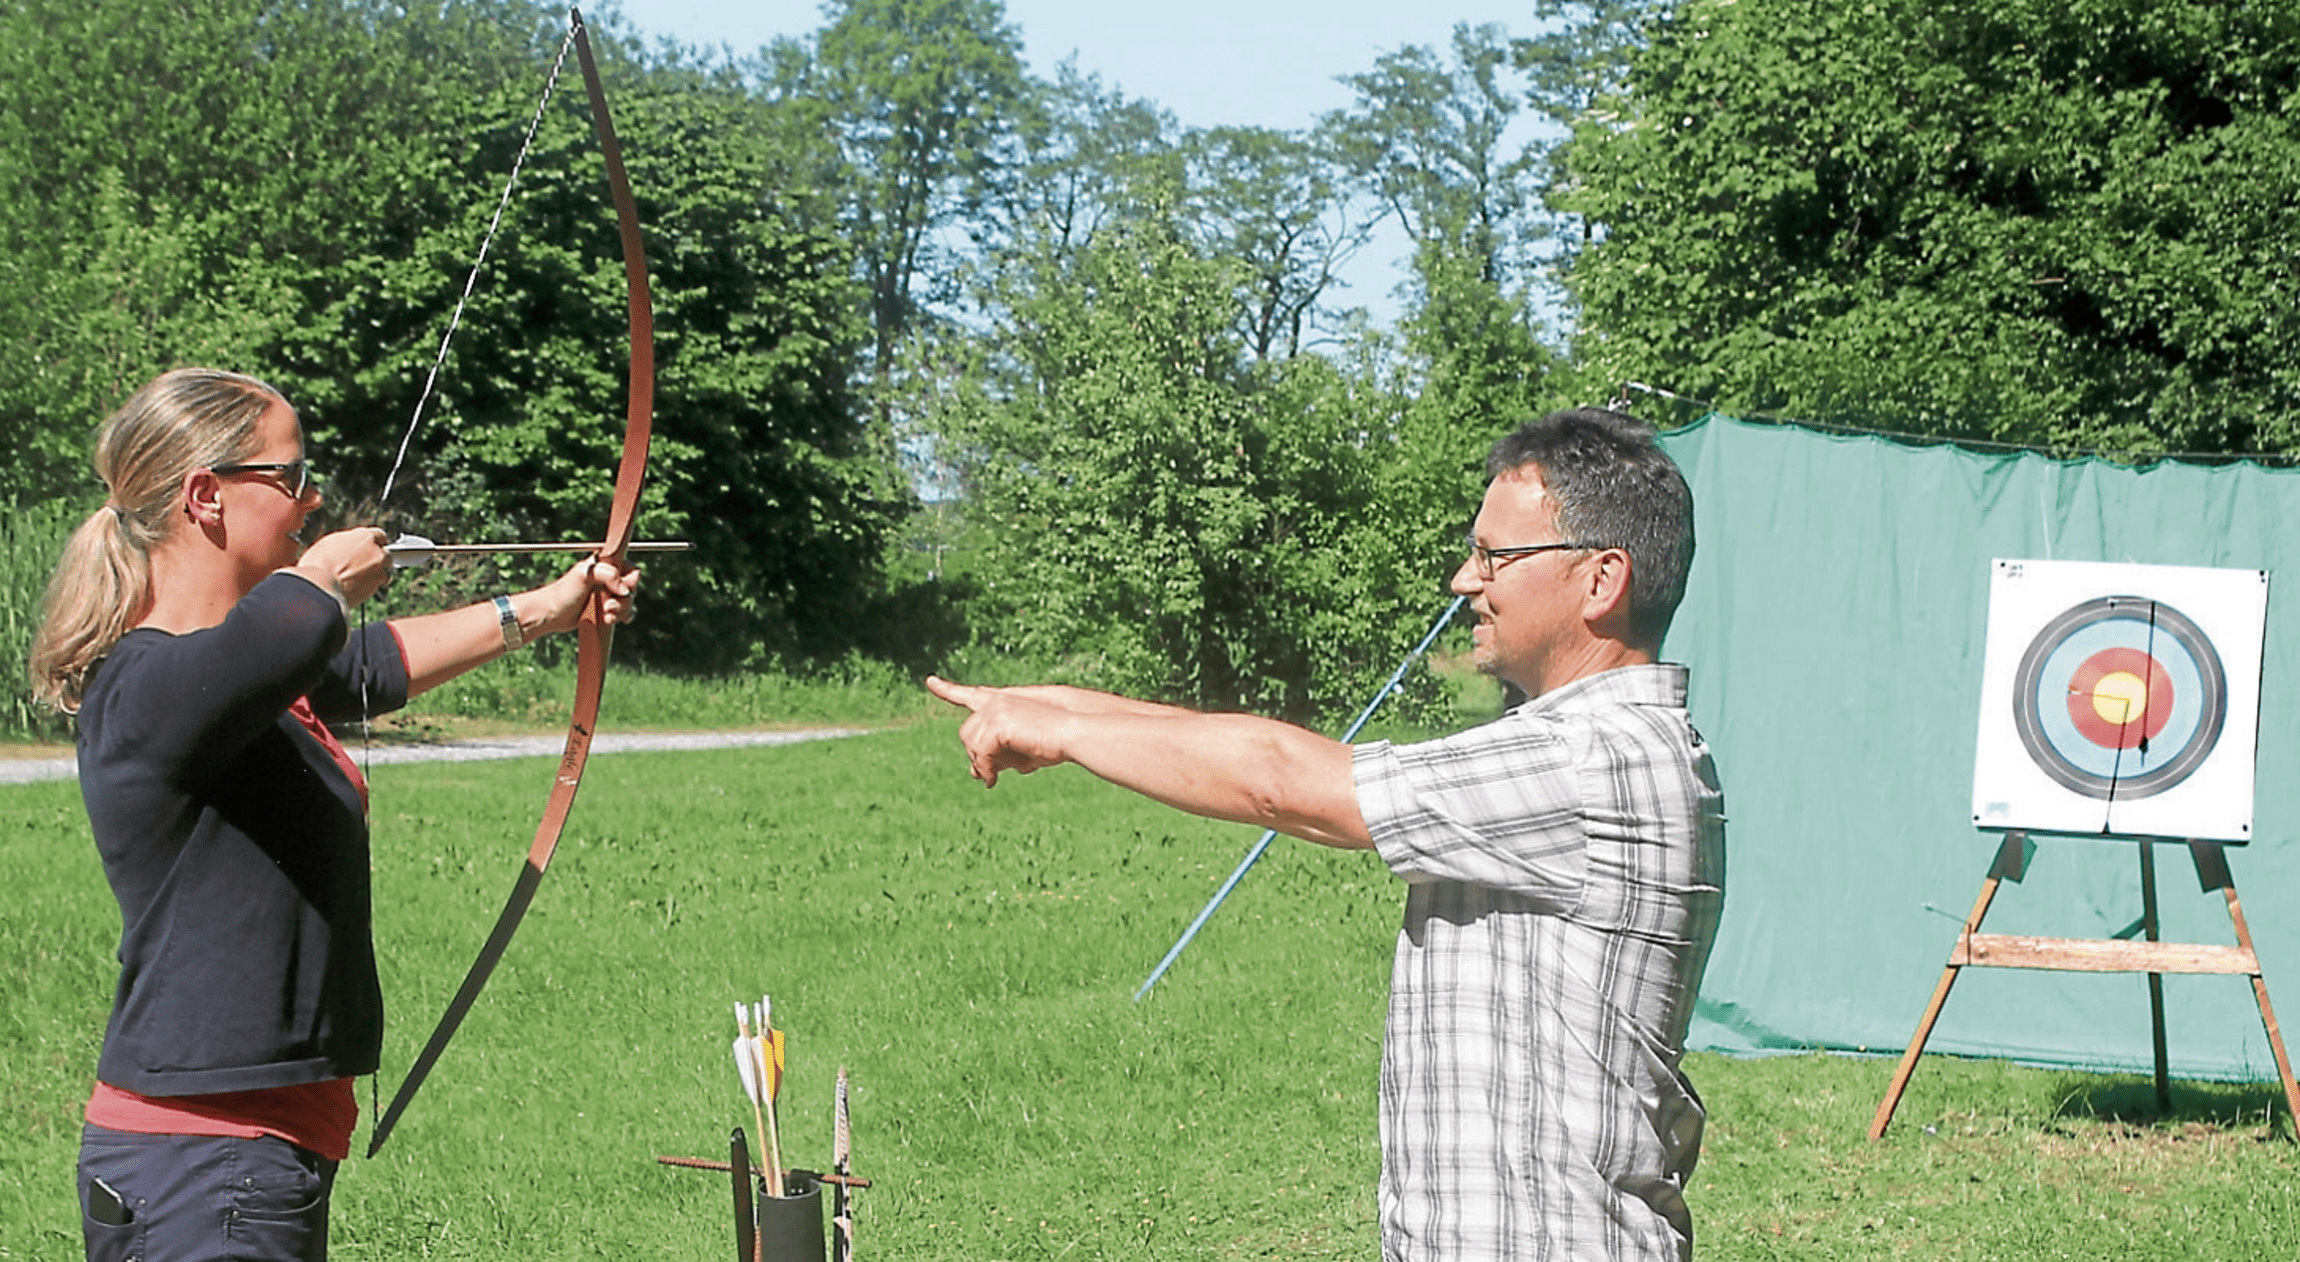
(1254, 855)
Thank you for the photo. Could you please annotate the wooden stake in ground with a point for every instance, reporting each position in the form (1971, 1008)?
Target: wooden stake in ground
(842, 1213)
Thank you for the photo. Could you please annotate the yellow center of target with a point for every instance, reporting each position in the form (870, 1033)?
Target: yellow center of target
(2120, 697)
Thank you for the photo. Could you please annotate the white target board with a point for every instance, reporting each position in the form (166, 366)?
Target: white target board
(2120, 700)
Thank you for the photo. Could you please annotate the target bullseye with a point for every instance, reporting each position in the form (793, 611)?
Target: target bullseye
(2118, 696)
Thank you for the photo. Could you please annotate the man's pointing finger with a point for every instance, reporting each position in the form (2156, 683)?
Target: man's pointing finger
(957, 694)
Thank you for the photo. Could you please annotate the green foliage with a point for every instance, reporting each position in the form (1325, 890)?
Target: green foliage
(970, 957)
(1163, 518)
(1092, 158)
(2044, 221)
(95, 316)
(1481, 373)
(1579, 52)
(1431, 134)
(922, 98)
(1428, 134)
(759, 455)
(173, 190)
(1171, 495)
(1275, 204)
(298, 191)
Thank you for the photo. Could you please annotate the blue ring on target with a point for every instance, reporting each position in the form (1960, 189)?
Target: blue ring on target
(2173, 645)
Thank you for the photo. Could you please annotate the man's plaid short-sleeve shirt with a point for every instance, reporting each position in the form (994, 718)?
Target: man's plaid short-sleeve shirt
(1565, 869)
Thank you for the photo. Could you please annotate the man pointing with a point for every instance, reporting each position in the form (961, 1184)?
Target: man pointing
(1564, 865)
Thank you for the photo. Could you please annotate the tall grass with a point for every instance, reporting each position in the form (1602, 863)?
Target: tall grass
(971, 957)
(31, 538)
(520, 690)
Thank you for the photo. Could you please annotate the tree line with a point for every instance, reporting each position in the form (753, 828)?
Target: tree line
(958, 360)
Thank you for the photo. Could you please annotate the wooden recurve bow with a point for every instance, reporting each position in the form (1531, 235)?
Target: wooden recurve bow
(594, 636)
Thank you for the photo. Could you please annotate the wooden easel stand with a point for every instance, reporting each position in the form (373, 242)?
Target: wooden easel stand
(1975, 949)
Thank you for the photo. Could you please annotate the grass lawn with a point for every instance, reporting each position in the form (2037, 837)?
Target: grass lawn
(971, 958)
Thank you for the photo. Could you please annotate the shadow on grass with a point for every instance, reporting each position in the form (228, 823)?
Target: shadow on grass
(2131, 1099)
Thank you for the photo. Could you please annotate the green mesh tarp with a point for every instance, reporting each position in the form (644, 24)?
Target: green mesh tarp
(1835, 628)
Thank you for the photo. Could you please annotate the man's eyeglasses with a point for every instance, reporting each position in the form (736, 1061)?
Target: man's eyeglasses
(1488, 559)
(295, 475)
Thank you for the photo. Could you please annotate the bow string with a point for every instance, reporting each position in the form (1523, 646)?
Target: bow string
(594, 636)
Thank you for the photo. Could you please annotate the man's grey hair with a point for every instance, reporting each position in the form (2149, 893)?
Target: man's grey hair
(1615, 487)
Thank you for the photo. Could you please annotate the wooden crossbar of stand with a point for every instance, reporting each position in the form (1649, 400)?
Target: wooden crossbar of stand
(1975, 949)
(2098, 955)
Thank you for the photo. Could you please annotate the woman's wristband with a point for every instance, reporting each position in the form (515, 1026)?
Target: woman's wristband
(508, 619)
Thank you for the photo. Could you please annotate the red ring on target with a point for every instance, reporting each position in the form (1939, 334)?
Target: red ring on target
(2120, 698)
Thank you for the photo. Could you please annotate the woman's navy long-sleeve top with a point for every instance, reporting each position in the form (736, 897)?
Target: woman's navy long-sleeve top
(237, 846)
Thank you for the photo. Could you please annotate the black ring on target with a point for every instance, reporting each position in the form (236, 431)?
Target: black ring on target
(2159, 623)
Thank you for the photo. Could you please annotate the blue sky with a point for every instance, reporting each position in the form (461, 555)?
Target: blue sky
(1267, 63)
(1264, 63)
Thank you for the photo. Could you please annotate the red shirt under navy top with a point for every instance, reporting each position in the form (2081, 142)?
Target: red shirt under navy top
(234, 834)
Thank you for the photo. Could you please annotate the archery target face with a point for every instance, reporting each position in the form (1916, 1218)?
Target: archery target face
(2120, 699)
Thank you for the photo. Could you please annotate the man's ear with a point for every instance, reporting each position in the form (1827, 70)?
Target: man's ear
(202, 497)
(1605, 592)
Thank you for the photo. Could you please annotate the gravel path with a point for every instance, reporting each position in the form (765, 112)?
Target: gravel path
(27, 770)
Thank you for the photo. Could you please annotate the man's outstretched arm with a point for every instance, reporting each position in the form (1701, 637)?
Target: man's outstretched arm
(1224, 766)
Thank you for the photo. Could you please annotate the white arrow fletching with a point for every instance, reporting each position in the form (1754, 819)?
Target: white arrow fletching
(747, 1064)
(409, 551)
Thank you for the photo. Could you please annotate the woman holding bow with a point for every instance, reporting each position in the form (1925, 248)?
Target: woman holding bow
(202, 646)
